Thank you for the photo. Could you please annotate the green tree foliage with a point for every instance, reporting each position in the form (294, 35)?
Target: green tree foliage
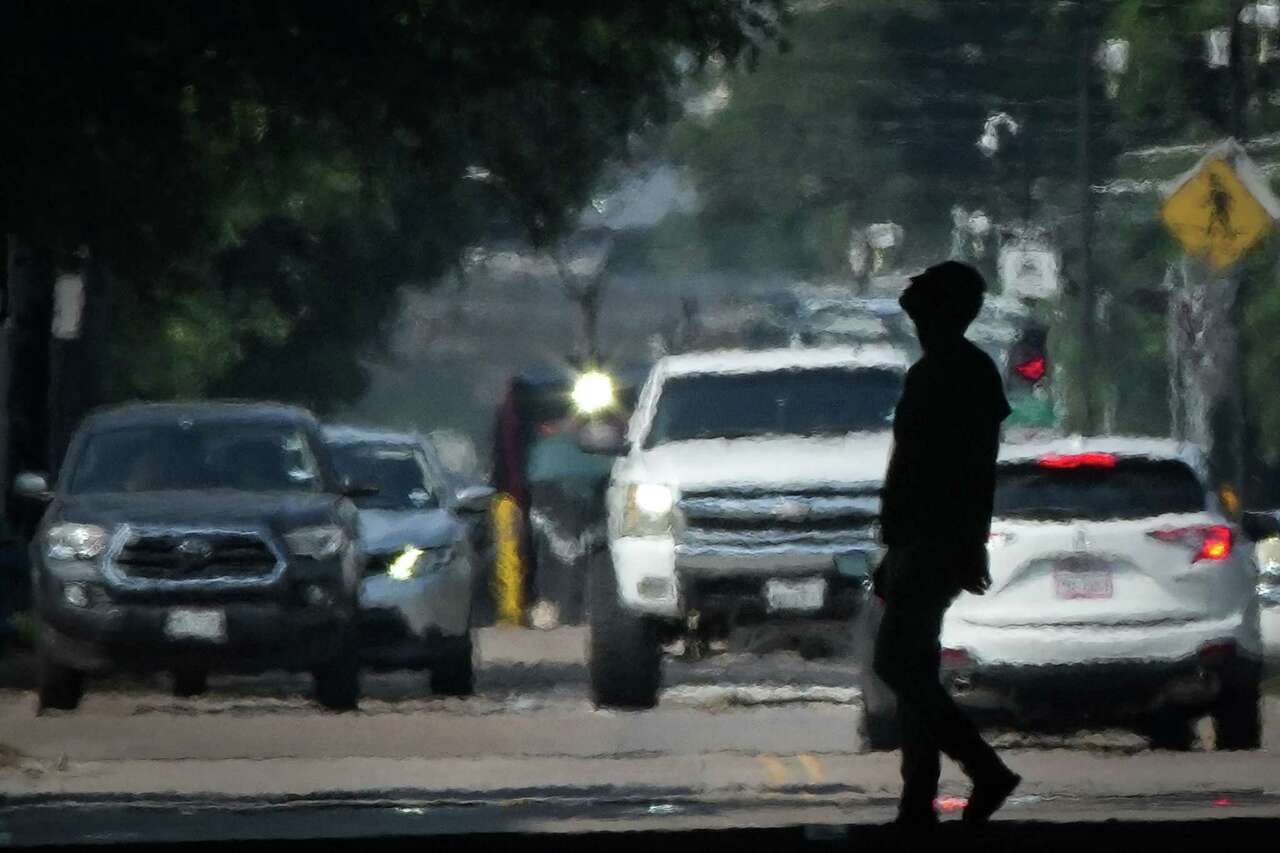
(255, 170)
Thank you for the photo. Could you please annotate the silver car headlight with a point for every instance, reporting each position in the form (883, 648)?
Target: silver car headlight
(69, 541)
(319, 542)
(413, 561)
(649, 510)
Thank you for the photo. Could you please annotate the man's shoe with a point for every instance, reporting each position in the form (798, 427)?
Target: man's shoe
(989, 795)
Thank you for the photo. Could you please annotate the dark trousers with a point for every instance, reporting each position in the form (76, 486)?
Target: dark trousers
(908, 659)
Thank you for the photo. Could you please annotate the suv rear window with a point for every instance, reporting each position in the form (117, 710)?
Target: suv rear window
(1133, 488)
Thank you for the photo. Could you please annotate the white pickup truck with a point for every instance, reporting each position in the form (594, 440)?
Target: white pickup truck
(747, 491)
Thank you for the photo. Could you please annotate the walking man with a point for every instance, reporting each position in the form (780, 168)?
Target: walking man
(935, 519)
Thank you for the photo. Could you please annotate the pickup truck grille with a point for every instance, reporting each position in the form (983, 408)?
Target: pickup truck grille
(778, 518)
(196, 556)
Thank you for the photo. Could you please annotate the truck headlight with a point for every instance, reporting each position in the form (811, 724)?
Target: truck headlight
(648, 511)
(69, 541)
(320, 542)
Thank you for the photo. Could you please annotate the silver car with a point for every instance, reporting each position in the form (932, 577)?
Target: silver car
(415, 527)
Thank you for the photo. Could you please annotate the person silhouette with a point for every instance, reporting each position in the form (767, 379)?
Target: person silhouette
(934, 521)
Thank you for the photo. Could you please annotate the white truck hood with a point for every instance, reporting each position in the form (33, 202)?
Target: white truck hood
(784, 461)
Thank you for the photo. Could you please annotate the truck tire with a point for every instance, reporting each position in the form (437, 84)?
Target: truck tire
(188, 683)
(1237, 715)
(453, 674)
(625, 651)
(337, 683)
(60, 687)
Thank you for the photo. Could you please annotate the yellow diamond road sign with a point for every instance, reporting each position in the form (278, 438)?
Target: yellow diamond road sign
(1222, 207)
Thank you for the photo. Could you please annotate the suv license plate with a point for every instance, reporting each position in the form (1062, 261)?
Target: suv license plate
(1086, 583)
(206, 624)
(806, 594)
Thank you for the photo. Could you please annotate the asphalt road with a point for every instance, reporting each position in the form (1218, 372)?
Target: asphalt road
(767, 740)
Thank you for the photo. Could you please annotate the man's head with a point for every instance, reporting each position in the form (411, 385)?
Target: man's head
(942, 301)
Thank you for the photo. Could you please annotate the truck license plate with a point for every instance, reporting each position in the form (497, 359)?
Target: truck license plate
(204, 624)
(807, 594)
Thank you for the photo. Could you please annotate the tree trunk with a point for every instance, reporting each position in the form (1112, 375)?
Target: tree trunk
(26, 345)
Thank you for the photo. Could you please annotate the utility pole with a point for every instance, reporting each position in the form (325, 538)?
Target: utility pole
(1088, 421)
(1236, 452)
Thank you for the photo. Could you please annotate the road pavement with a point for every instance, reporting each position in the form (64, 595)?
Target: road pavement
(774, 736)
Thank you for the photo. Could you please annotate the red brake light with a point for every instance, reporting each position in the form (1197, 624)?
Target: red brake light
(1032, 370)
(1212, 542)
(1078, 460)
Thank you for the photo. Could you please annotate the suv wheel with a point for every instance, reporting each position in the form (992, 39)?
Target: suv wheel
(625, 649)
(880, 732)
(61, 687)
(1172, 730)
(454, 672)
(1237, 716)
(337, 683)
(190, 682)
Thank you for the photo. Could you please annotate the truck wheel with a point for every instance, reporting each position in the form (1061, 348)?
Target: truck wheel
(61, 688)
(1237, 716)
(880, 733)
(190, 682)
(337, 683)
(625, 650)
(454, 672)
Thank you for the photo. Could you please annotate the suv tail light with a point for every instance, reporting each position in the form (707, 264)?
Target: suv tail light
(1210, 542)
(1077, 460)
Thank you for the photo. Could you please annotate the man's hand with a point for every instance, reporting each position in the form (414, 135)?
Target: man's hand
(973, 572)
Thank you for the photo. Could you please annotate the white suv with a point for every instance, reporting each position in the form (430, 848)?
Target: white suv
(1121, 593)
(748, 493)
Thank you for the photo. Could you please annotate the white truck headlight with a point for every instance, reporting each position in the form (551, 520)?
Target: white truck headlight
(68, 541)
(320, 542)
(648, 511)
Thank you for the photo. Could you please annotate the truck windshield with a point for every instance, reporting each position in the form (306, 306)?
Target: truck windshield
(808, 402)
(171, 457)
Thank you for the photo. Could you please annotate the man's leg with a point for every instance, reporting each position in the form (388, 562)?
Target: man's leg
(908, 660)
(921, 766)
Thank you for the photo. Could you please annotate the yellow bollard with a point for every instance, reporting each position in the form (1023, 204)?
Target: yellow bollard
(508, 570)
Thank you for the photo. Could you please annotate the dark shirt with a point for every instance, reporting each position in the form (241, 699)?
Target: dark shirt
(946, 433)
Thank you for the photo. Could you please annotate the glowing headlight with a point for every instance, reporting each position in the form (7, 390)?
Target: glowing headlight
(648, 510)
(405, 566)
(412, 562)
(320, 542)
(592, 393)
(75, 541)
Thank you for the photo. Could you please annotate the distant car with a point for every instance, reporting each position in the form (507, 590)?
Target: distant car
(554, 533)
(195, 537)
(421, 568)
(1121, 594)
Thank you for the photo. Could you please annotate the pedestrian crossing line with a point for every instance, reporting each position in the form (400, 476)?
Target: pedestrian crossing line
(776, 770)
(813, 767)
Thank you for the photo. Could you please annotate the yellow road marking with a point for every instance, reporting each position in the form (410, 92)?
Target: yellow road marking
(812, 766)
(776, 769)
